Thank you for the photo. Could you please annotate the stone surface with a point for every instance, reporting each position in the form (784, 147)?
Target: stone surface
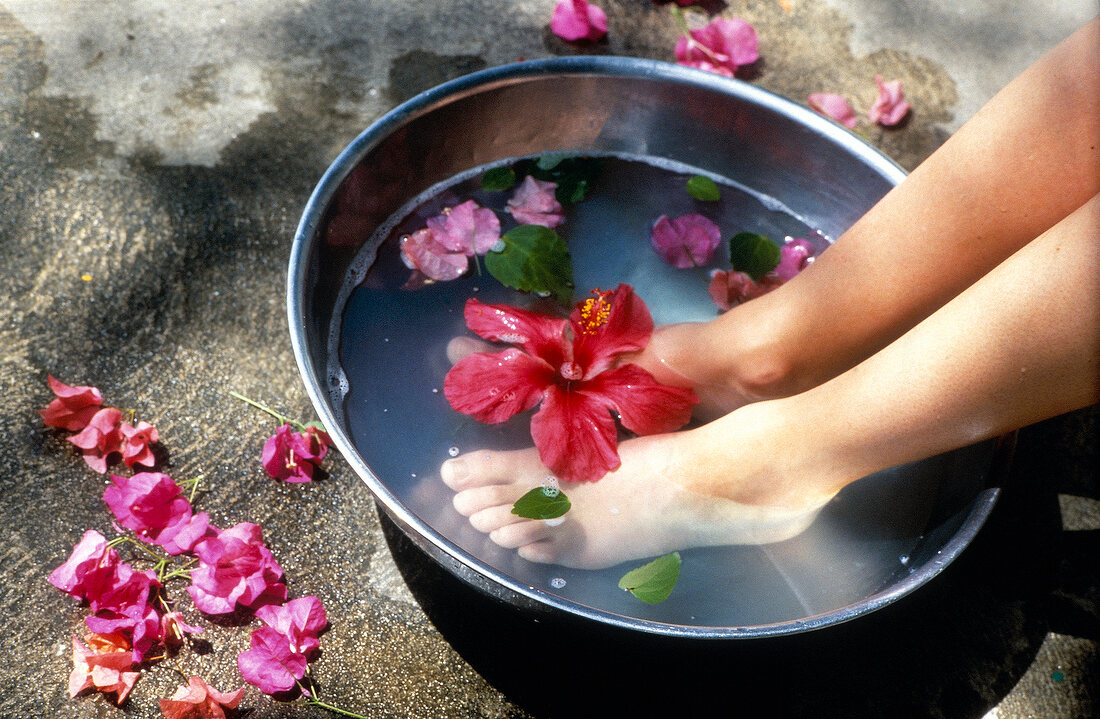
(154, 159)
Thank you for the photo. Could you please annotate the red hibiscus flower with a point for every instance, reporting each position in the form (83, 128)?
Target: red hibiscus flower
(198, 700)
(568, 367)
(72, 408)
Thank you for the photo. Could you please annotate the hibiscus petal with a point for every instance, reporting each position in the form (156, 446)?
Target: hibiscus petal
(539, 335)
(575, 435)
(687, 241)
(834, 106)
(626, 329)
(492, 387)
(645, 406)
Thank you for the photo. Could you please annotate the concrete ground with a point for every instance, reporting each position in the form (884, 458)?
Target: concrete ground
(154, 159)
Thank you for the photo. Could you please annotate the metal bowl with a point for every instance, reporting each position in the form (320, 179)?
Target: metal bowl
(613, 105)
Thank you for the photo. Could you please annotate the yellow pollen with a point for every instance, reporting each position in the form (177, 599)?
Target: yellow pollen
(595, 311)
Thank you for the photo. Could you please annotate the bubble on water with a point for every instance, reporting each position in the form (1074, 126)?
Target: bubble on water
(554, 522)
(435, 390)
(551, 481)
(475, 289)
(550, 492)
(614, 510)
(413, 475)
(904, 559)
(499, 246)
(453, 451)
(557, 583)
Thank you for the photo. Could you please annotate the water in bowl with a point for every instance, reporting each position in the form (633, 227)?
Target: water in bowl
(390, 345)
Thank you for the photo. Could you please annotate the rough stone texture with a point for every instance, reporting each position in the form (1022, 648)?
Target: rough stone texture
(154, 158)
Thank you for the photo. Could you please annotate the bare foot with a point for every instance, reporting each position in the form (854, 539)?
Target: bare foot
(642, 509)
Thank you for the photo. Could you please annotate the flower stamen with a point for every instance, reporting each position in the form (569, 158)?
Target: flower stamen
(595, 311)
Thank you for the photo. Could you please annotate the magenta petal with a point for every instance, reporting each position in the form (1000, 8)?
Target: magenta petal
(466, 228)
(270, 665)
(494, 386)
(722, 46)
(687, 241)
(301, 620)
(834, 106)
(578, 20)
(794, 257)
(90, 554)
(644, 405)
(534, 203)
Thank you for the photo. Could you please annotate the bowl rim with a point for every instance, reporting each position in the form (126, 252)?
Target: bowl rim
(460, 562)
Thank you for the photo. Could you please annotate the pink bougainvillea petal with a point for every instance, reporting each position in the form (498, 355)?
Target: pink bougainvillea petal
(88, 568)
(422, 252)
(534, 203)
(539, 335)
(198, 700)
(644, 405)
(794, 257)
(722, 46)
(466, 228)
(578, 20)
(72, 407)
(293, 456)
(890, 107)
(101, 439)
(729, 289)
(300, 620)
(687, 241)
(136, 444)
(493, 387)
(235, 567)
(108, 669)
(575, 435)
(834, 106)
(270, 664)
(607, 326)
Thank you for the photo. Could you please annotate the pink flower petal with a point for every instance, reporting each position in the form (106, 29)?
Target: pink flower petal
(729, 289)
(722, 46)
(270, 664)
(493, 387)
(578, 20)
(890, 106)
(422, 252)
(72, 408)
(575, 435)
(197, 700)
(794, 256)
(300, 620)
(834, 106)
(466, 228)
(687, 241)
(534, 203)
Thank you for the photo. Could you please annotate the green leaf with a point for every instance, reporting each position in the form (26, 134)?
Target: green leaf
(542, 503)
(498, 178)
(753, 254)
(653, 582)
(703, 188)
(534, 259)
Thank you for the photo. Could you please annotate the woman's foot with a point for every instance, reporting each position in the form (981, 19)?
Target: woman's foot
(661, 499)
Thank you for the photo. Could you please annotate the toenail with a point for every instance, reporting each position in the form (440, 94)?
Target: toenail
(455, 470)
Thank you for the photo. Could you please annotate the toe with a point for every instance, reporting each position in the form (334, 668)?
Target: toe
(460, 347)
(471, 501)
(520, 534)
(493, 518)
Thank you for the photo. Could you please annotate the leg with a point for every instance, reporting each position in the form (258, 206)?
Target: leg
(1018, 346)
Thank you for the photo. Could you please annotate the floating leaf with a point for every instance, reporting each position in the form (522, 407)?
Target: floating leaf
(653, 582)
(542, 503)
(498, 178)
(753, 254)
(533, 259)
(703, 188)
